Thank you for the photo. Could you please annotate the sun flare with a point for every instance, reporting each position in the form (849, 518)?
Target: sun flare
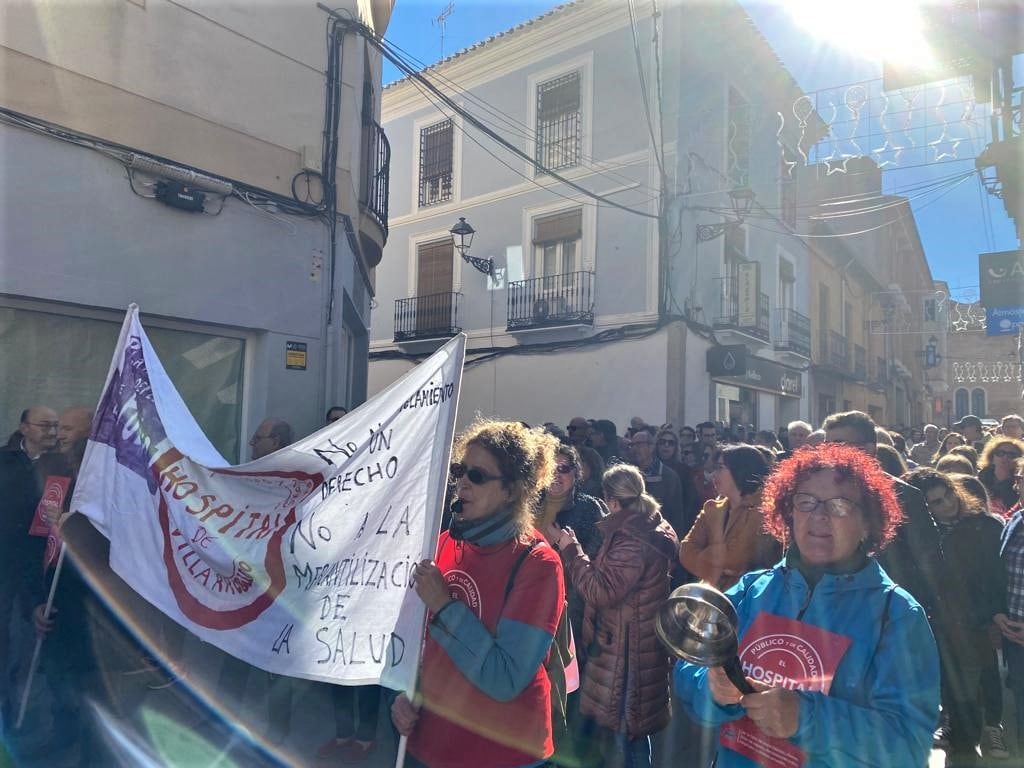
(876, 30)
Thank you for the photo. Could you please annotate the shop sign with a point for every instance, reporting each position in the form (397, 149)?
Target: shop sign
(758, 373)
(1001, 276)
(749, 290)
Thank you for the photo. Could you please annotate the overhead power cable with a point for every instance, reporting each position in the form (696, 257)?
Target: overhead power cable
(386, 51)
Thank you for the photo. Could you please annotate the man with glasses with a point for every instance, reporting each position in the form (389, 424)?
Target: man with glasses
(20, 491)
(707, 434)
(271, 435)
(913, 558)
(677, 500)
(578, 431)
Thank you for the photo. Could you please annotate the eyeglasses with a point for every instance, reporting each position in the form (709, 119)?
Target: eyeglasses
(49, 426)
(1001, 453)
(670, 443)
(838, 507)
(562, 469)
(474, 475)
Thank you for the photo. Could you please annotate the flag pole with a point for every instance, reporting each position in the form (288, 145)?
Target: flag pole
(33, 665)
(430, 545)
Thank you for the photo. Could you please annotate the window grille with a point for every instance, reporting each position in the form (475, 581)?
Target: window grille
(559, 122)
(436, 163)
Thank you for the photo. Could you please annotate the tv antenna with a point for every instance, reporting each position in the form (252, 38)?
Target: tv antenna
(441, 20)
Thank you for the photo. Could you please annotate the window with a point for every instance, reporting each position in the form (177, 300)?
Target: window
(738, 140)
(63, 362)
(787, 284)
(978, 405)
(436, 142)
(962, 403)
(434, 279)
(559, 122)
(556, 247)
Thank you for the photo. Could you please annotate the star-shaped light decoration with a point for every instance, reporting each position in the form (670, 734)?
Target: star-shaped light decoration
(887, 154)
(939, 147)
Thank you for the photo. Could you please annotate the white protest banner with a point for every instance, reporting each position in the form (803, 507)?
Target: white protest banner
(298, 562)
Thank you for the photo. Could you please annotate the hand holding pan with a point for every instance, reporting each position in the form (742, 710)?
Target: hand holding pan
(698, 623)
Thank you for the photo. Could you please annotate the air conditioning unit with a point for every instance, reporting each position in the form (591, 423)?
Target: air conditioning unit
(548, 306)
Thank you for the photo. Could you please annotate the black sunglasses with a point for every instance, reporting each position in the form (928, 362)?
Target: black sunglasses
(474, 475)
(1005, 454)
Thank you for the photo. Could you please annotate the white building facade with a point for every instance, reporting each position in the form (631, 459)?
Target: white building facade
(603, 304)
(172, 154)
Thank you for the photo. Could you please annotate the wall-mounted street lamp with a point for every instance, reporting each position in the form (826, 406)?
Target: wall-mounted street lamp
(742, 201)
(462, 239)
(930, 354)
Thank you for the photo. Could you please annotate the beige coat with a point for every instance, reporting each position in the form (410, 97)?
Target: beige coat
(725, 543)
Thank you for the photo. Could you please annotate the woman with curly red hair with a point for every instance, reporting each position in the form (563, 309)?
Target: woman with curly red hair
(842, 660)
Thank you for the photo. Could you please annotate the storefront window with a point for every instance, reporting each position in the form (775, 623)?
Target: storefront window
(62, 361)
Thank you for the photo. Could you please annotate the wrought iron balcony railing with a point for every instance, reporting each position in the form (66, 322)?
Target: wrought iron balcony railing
(373, 190)
(833, 351)
(550, 301)
(860, 363)
(729, 315)
(792, 332)
(435, 316)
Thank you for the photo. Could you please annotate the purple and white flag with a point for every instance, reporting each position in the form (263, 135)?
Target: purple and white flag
(299, 562)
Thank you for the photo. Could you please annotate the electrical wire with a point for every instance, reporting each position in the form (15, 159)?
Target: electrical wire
(547, 188)
(385, 50)
(643, 86)
(505, 120)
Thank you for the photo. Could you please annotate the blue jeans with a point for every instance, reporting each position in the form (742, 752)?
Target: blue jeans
(620, 751)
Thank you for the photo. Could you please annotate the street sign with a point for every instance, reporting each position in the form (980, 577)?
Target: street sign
(749, 291)
(727, 360)
(295, 355)
(1003, 321)
(1001, 276)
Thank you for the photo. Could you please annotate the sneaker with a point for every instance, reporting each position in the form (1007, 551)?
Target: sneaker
(992, 745)
(941, 738)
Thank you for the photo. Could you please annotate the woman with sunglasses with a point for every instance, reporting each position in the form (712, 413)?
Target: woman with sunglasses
(626, 682)
(996, 469)
(842, 661)
(726, 539)
(963, 620)
(667, 445)
(494, 598)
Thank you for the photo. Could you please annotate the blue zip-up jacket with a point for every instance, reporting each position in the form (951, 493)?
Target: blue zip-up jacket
(884, 702)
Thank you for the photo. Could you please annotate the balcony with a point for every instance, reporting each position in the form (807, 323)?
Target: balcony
(860, 363)
(373, 192)
(756, 325)
(425, 318)
(833, 353)
(552, 301)
(793, 333)
(880, 375)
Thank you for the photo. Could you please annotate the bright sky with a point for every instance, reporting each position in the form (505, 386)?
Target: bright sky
(835, 44)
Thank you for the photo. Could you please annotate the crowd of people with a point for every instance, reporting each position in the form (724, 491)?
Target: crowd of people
(901, 551)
